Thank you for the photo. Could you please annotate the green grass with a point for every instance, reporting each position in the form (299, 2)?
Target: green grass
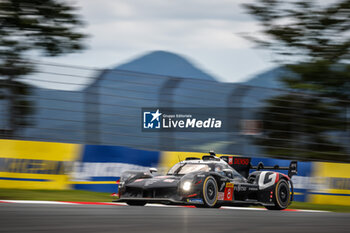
(86, 196)
(311, 206)
(54, 195)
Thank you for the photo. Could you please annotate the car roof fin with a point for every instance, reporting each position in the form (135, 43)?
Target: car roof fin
(192, 158)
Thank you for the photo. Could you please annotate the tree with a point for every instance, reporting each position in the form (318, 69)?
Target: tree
(47, 27)
(303, 127)
(312, 42)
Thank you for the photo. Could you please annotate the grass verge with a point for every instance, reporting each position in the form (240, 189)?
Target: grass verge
(87, 196)
(54, 195)
(311, 206)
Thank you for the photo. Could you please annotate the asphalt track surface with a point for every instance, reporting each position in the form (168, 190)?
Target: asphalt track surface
(129, 219)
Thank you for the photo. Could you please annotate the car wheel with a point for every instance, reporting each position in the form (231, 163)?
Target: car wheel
(281, 196)
(136, 203)
(210, 192)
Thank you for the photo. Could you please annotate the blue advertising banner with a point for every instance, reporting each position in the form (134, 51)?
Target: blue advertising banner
(101, 166)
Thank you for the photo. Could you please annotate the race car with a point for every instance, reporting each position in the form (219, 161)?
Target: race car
(211, 182)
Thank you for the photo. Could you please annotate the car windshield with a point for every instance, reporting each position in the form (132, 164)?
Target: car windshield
(186, 168)
(228, 167)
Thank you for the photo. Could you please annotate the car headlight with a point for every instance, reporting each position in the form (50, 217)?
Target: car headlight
(186, 186)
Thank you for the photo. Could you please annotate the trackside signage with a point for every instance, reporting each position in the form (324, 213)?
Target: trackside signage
(188, 119)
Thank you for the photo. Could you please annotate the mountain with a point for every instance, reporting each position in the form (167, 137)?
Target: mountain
(268, 79)
(108, 111)
(167, 64)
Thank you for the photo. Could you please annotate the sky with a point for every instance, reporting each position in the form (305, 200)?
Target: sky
(207, 32)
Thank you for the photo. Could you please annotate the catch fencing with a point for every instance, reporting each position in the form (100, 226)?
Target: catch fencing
(62, 103)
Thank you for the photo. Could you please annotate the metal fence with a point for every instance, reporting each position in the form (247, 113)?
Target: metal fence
(65, 103)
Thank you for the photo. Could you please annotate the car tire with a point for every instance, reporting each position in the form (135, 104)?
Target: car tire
(210, 192)
(136, 203)
(281, 197)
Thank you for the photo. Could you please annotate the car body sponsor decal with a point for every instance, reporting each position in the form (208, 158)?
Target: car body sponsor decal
(221, 196)
(150, 182)
(230, 160)
(240, 188)
(267, 179)
(195, 200)
(161, 177)
(228, 194)
(241, 161)
(169, 180)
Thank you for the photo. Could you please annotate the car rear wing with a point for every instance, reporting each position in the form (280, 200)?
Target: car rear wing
(292, 169)
(243, 164)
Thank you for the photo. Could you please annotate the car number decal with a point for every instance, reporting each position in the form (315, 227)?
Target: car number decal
(228, 195)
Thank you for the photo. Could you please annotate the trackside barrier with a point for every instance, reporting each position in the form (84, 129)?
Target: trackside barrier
(331, 184)
(99, 167)
(36, 165)
(47, 165)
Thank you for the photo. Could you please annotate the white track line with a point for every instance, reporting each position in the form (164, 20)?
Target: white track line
(315, 211)
(150, 205)
(37, 202)
(240, 208)
(114, 203)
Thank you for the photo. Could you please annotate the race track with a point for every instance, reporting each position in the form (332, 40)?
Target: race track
(107, 218)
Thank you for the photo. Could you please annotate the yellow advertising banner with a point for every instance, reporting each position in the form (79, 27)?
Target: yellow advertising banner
(331, 183)
(36, 165)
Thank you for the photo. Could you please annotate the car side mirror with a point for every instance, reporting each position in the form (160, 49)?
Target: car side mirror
(152, 169)
(228, 173)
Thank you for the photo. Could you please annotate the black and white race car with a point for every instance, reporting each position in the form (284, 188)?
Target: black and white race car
(211, 182)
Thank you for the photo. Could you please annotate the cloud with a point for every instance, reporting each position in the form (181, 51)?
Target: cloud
(174, 33)
(207, 31)
(163, 9)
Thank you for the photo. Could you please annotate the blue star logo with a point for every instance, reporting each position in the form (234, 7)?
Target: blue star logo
(151, 120)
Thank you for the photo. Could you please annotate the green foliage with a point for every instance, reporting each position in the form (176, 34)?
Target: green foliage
(27, 27)
(312, 41)
(311, 206)
(304, 29)
(303, 127)
(49, 26)
(322, 78)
